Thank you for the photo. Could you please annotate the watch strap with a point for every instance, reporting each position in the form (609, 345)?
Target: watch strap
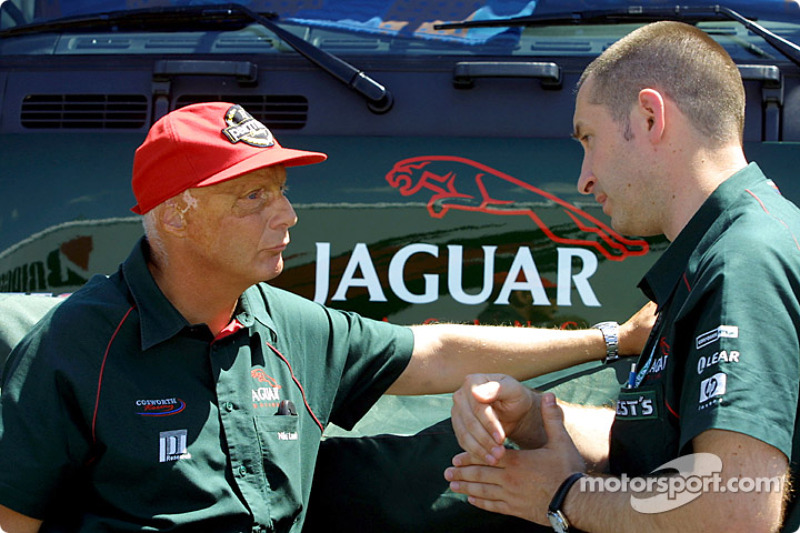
(561, 492)
(610, 331)
(556, 516)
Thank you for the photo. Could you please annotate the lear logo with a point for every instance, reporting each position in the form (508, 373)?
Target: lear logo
(705, 362)
(728, 332)
(173, 445)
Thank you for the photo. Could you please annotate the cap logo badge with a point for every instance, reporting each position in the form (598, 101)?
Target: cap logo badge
(243, 127)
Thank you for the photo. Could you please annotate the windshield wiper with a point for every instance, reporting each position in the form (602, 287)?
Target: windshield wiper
(153, 19)
(235, 16)
(689, 14)
(379, 99)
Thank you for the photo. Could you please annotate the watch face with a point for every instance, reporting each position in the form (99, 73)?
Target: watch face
(558, 521)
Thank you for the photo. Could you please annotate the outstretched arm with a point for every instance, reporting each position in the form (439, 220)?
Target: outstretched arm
(444, 354)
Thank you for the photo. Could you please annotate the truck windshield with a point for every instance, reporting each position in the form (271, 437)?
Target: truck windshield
(372, 27)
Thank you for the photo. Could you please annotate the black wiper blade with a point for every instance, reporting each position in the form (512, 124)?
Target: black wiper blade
(624, 15)
(216, 16)
(151, 19)
(379, 99)
(688, 14)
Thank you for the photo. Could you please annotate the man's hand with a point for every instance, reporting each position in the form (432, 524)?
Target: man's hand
(522, 482)
(489, 408)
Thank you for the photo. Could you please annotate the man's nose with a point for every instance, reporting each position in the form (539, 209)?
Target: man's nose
(285, 215)
(587, 180)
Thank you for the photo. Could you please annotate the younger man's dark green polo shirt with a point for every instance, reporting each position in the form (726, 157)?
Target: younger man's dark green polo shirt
(725, 352)
(120, 415)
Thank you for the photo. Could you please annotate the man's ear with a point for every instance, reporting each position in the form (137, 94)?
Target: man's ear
(651, 110)
(171, 217)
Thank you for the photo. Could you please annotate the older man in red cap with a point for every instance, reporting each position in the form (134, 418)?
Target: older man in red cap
(183, 392)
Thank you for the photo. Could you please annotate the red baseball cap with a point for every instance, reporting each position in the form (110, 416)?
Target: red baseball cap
(203, 144)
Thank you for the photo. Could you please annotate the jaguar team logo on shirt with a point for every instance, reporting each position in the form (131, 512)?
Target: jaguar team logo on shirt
(267, 394)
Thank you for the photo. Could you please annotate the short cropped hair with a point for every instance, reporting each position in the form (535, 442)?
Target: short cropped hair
(183, 202)
(683, 63)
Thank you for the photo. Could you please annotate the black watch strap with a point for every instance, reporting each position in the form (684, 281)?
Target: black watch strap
(561, 493)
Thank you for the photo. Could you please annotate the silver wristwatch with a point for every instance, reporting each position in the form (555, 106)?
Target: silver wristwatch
(610, 332)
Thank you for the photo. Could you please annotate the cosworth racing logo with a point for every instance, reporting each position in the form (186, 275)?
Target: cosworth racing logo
(463, 184)
(160, 406)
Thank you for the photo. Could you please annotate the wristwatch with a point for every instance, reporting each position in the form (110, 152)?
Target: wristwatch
(610, 332)
(554, 513)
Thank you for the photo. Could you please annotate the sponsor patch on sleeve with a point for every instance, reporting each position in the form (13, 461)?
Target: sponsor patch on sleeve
(712, 390)
(709, 337)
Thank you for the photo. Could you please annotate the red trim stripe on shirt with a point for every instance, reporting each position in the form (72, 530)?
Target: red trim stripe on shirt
(764, 207)
(100, 378)
(299, 386)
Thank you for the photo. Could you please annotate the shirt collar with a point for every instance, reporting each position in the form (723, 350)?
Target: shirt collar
(158, 317)
(661, 279)
(253, 307)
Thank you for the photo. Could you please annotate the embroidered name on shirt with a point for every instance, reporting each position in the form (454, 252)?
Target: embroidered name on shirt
(172, 445)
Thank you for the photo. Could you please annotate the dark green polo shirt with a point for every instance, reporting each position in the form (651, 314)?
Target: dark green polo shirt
(120, 415)
(725, 352)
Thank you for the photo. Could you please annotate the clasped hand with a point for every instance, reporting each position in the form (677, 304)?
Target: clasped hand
(487, 410)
